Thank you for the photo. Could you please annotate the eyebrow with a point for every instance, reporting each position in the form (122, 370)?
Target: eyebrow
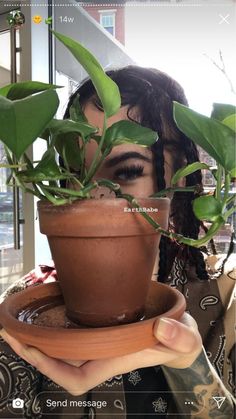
(126, 156)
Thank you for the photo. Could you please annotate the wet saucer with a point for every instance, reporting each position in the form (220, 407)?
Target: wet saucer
(36, 316)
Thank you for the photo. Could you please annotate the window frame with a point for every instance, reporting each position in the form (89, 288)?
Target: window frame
(108, 12)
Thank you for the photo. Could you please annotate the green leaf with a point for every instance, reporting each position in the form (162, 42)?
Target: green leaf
(65, 135)
(106, 88)
(76, 113)
(185, 171)
(22, 121)
(123, 132)
(214, 228)
(68, 148)
(233, 173)
(97, 138)
(222, 110)
(66, 126)
(48, 162)
(47, 169)
(214, 137)
(230, 121)
(207, 208)
(23, 89)
(214, 172)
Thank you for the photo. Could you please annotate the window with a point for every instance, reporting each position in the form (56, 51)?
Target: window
(107, 20)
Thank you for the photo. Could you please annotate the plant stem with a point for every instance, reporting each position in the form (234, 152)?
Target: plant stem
(96, 161)
(82, 155)
(75, 180)
(70, 192)
(228, 213)
(52, 199)
(218, 183)
(28, 161)
(109, 184)
(12, 166)
(227, 187)
(8, 155)
(177, 189)
(231, 199)
(174, 236)
(212, 243)
(34, 192)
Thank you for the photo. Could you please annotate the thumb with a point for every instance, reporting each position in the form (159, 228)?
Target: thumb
(177, 336)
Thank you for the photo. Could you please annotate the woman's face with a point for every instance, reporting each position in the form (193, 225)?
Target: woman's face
(130, 165)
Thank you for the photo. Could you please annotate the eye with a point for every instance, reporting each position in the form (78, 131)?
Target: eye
(127, 173)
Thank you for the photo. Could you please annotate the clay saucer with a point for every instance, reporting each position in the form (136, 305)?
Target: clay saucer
(25, 314)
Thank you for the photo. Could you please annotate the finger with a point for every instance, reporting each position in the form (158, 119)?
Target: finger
(18, 347)
(25, 351)
(76, 381)
(177, 336)
(63, 374)
(189, 321)
(74, 362)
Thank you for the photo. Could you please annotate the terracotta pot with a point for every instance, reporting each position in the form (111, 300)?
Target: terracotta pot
(104, 256)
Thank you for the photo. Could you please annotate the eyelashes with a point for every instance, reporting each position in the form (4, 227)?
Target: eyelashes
(127, 173)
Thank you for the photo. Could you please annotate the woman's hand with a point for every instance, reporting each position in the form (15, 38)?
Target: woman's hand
(179, 344)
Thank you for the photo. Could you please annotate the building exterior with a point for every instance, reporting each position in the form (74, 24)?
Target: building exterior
(208, 179)
(110, 17)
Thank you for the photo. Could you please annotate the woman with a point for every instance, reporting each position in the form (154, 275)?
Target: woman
(175, 376)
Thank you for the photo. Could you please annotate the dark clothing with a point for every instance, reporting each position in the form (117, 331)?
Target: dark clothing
(142, 393)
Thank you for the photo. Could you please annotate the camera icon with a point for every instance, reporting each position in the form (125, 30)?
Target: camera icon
(17, 403)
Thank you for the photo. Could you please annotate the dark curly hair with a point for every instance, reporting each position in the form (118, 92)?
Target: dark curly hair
(153, 93)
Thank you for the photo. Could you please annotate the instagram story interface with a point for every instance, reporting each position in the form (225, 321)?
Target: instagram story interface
(123, 112)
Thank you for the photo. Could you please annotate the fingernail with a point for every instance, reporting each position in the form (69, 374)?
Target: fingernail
(166, 329)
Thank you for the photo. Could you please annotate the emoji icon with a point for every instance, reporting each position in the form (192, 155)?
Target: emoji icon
(48, 21)
(37, 19)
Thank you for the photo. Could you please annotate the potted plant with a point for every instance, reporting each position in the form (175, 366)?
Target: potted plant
(99, 244)
(104, 230)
